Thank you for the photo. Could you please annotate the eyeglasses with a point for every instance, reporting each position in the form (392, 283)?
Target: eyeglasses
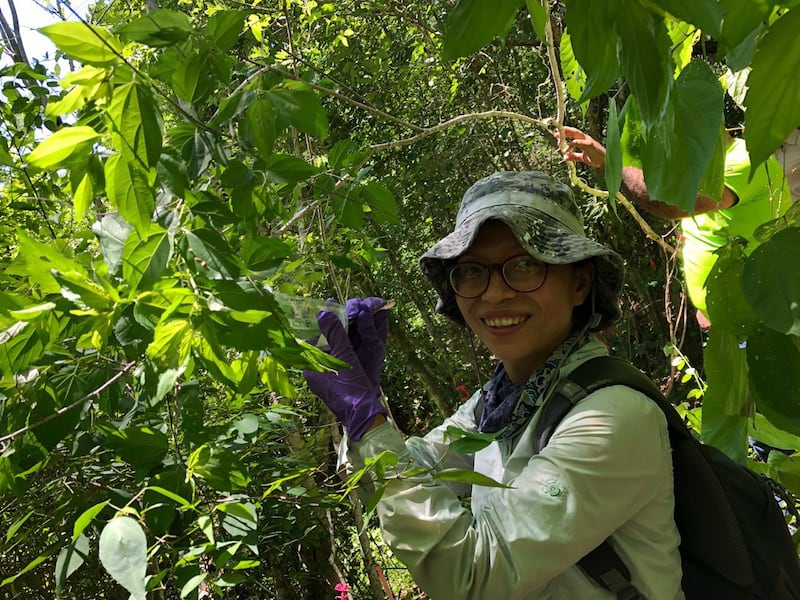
(521, 273)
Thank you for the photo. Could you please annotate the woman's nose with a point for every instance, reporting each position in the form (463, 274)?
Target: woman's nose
(498, 289)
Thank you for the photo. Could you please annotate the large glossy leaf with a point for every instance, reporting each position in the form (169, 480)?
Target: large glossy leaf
(158, 28)
(704, 14)
(172, 342)
(727, 307)
(84, 292)
(773, 97)
(593, 33)
(224, 28)
(141, 447)
(472, 24)
(63, 145)
(300, 107)
(207, 252)
(771, 281)
(739, 19)
(191, 79)
(137, 124)
(219, 468)
(145, 257)
(774, 363)
(123, 552)
(129, 193)
(86, 43)
(41, 258)
(646, 58)
(727, 406)
(685, 140)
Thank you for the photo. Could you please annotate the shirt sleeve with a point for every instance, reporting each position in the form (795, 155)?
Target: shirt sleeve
(604, 463)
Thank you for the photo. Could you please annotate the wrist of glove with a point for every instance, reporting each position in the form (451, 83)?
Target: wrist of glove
(353, 394)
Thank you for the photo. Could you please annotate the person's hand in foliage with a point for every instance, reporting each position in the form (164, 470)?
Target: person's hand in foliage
(581, 147)
(353, 394)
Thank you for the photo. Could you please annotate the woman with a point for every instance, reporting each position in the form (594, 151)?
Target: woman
(519, 271)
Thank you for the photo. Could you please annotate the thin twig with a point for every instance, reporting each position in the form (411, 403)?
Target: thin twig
(64, 409)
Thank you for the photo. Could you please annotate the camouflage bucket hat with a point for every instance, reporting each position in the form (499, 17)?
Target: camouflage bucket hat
(544, 216)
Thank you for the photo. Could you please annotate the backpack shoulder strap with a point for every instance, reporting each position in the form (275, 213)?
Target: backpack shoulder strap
(603, 565)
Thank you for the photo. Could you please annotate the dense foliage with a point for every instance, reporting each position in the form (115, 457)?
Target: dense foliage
(184, 162)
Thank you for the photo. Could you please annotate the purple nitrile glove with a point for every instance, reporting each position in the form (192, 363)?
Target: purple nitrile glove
(368, 332)
(350, 393)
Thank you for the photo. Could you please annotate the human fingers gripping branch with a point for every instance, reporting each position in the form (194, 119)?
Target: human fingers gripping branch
(581, 147)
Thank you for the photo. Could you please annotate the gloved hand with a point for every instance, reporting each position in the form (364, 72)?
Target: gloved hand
(368, 332)
(353, 395)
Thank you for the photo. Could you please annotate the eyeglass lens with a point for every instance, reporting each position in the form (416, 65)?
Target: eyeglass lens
(521, 273)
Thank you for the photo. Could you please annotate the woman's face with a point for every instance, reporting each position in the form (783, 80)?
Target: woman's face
(521, 328)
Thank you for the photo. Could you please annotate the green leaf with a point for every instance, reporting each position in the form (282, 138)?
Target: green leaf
(593, 35)
(764, 431)
(82, 196)
(191, 78)
(207, 252)
(381, 202)
(704, 14)
(348, 210)
(727, 307)
(172, 342)
(726, 404)
(16, 525)
(159, 28)
(262, 128)
(224, 28)
(220, 468)
(772, 359)
(145, 258)
(86, 517)
(70, 559)
(773, 97)
(285, 168)
(739, 19)
(684, 141)
(86, 43)
(82, 291)
(468, 476)
(297, 106)
(136, 121)
(646, 58)
(21, 345)
(771, 281)
(474, 23)
(123, 552)
(232, 106)
(539, 17)
(63, 145)
(573, 74)
(112, 231)
(192, 584)
(469, 442)
(713, 181)
(141, 447)
(129, 193)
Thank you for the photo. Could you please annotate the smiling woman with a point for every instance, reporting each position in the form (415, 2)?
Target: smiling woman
(520, 273)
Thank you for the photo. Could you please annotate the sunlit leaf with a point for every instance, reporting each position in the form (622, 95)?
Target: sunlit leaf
(63, 145)
(112, 231)
(468, 476)
(85, 519)
(129, 193)
(725, 299)
(157, 28)
(136, 122)
(219, 468)
(123, 552)
(70, 559)
(86, 43)
(171, 343)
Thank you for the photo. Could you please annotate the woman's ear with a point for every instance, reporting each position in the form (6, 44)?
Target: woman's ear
(584, 278)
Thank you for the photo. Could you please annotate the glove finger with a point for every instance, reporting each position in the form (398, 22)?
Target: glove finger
(365, 325)
(353, 307)
(373, 304)
(339, 342)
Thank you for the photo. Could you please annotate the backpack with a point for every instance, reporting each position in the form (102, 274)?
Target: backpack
(735, 543)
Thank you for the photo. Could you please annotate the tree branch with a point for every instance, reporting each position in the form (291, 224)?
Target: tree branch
(64, 409)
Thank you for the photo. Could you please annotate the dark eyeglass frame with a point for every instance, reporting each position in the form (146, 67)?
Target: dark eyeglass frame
(496, 267)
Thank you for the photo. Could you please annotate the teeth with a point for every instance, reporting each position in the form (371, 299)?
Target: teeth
(504, 321)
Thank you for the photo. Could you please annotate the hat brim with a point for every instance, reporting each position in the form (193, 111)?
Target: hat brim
(544, 238)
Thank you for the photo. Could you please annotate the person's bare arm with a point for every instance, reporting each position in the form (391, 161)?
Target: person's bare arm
(582, 147)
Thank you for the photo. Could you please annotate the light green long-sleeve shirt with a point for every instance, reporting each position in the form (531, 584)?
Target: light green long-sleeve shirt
(607, 471)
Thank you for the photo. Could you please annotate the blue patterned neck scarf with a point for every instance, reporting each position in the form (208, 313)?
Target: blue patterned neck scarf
(509, 406)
